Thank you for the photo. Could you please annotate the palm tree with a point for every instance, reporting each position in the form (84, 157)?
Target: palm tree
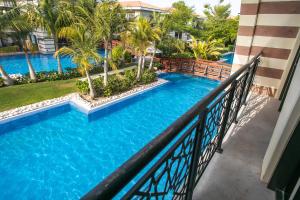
(159, 30)
(109, 19)
(50, 15)
(210, 49)
(140, 35)
(82, 50)
(218, 11)
(5, 76)
(16, 22)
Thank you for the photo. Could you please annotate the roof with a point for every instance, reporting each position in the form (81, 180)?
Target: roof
(139, 4)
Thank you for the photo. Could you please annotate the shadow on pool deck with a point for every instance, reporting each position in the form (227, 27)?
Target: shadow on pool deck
(235, 174)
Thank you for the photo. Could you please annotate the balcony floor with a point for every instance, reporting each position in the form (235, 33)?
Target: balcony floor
(235, 174)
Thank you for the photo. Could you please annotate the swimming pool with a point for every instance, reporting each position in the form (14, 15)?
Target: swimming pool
(62, 153)
(227, 57)
(16, 64)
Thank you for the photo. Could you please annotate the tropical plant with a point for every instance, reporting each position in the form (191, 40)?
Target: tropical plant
(6, 79)
(159, 30)
(51, 15)
(109, 19)
(180, 18)
(219, 24)
(117, 57)
(82, 49)
(218, 11)
(140, 36)
(19, 29)
(208, 50)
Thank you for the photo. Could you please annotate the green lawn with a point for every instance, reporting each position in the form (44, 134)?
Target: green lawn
(20, 95)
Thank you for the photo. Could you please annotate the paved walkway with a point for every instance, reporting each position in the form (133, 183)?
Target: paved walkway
(235, 174)
(111, 72)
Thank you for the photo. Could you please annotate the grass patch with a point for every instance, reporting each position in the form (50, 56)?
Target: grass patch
(20, 95)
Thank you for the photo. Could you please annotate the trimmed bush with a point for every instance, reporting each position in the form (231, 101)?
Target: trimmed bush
(130, 76)
(83, 86)
(148, 76)
(10, 49)
(127, 57)
(116, 83)
(158, 65)
(98, 86)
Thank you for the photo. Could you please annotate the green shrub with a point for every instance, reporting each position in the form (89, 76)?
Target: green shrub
(148, 76)
(2, 82)
(9, 49)
(116, 84)
(130, 76)
(107, 91)
(158, 65)
(182, 55)
(20, 79)
(54, 76)
(127, 57)
(83, 86)
(98, 86)
(96, 70)
(230, 47)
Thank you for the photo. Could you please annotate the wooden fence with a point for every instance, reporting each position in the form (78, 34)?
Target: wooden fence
(205, 68)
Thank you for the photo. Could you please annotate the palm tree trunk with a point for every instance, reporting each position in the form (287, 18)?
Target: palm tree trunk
(143, 63)
(138, 77)
(105, 66)
(5, 76)
(152, 57)
(59, 67)
(92, 90)
(30, 68)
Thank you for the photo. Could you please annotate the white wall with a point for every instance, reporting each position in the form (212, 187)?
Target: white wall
(287, 122)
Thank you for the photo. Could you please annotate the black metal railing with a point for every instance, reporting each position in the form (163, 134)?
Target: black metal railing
(199, 134)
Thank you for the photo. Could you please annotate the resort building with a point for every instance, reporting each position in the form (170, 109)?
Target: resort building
(39, 37)
(139, 8)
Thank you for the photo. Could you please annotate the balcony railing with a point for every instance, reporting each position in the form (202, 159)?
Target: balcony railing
(179, 155)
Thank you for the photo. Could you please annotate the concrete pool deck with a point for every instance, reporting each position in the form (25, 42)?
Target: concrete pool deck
(235, 174)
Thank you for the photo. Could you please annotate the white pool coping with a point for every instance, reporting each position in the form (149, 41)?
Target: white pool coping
(76, 101)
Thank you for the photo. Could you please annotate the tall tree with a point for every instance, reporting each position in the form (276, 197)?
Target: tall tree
(50, 15)
(109, 20)
(18, 27)
(181, 18)
(219, 24)
(83, 49)
(218, 11)
(159, 30)
(140, 33)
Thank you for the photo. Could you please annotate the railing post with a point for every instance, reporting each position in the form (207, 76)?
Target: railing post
(226, 116)
(241, 96)
(252, 75)
(205, 72)
(220, 74)
(196, 154)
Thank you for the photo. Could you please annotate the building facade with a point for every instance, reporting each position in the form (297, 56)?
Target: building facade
(270, 26)
(138, 8)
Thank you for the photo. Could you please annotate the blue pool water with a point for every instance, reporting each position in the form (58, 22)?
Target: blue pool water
(62, 153)
(17, 64)
(228, 57)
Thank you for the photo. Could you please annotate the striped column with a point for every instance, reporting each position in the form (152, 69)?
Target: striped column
(270, 26)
